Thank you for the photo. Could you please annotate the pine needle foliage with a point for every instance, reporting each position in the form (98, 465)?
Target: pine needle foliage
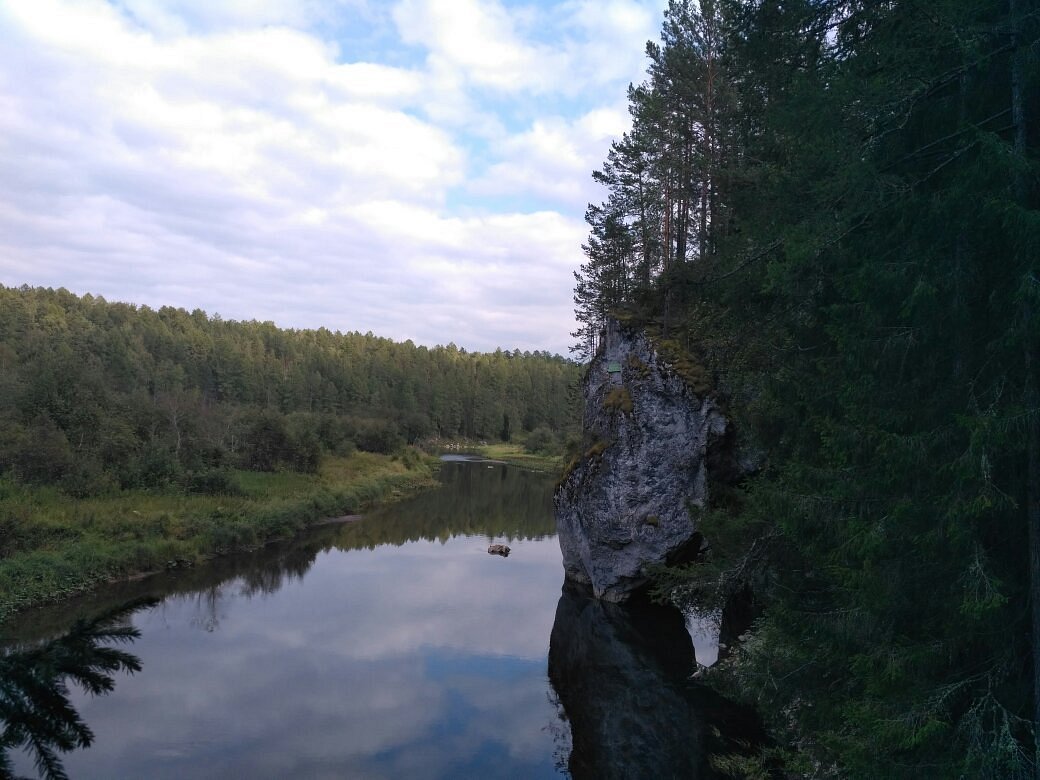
(860, 282)
(35, 711)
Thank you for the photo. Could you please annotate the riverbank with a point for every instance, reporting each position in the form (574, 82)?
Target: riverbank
(54, 546)
(516, 455)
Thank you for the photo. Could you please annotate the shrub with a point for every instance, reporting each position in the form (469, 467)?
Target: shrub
(154, 466)
(86, 479)
(541, 440)
(265, 441)
(378, 436)
(212, 482)
(41, 453)
(411, 457)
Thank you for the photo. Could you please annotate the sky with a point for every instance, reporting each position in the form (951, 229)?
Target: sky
(419, 169)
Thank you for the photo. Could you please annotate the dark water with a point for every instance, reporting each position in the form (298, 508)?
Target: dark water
(394, 647)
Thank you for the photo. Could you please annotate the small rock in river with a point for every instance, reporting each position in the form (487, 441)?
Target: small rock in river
(499, 549)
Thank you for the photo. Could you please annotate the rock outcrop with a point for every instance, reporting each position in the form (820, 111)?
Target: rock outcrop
(631, 500)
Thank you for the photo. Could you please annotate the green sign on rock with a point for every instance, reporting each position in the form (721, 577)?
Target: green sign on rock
(613, 368)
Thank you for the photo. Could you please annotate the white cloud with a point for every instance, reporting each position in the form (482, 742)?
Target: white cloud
(611, 35)
(228, 157)
(557, 48)
(368, 686)
(554, 157)
(177, 17)
(476, 38)
(378, 83)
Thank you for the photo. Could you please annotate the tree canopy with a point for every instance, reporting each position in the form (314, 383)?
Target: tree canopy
(832, 206)
(97, 395)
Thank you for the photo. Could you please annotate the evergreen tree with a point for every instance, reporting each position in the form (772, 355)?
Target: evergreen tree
(96, 396)
(850, 238)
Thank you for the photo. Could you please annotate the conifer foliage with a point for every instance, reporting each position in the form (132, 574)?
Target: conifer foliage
(97, 396)
(833, 206)
(36, 713)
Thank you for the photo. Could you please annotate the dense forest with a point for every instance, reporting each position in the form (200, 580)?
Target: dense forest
(97, 396)
(832, 206)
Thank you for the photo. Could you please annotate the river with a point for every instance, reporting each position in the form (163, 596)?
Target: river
(393, 646)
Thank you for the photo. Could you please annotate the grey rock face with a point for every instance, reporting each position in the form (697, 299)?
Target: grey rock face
(628, 502)
(620, 673)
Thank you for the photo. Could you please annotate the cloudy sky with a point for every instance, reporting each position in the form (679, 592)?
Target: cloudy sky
(418, 169)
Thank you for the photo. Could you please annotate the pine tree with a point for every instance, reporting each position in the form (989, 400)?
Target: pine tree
(863, 298)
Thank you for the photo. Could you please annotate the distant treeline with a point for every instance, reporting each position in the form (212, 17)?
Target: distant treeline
(97, 395)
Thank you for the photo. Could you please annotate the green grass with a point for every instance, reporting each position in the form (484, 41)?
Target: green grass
(53, 546)
(515, 455)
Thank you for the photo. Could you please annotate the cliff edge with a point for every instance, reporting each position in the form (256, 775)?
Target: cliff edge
(630, 500)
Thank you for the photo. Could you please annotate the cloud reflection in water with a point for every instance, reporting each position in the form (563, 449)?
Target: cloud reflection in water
(420, 660)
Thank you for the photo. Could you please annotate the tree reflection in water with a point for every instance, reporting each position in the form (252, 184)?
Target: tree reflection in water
(38, 672)
(35, 712)
(473, 499)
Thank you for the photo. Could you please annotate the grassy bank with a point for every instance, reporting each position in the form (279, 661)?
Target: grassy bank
(516, 455)
(53, 546)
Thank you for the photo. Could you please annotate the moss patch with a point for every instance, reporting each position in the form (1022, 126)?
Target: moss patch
(595, 451)
(684, 365)
(637, 366)
(619, 399)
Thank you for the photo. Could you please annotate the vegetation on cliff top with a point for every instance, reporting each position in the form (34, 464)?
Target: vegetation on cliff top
(831, 209)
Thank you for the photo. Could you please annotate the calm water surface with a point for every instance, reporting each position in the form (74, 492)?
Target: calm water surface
(395, 647)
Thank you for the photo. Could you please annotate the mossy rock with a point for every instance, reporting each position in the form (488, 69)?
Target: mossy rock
(625, 317)
(641, 369)
(568, 470)
(683, 364)
(619, 399)
(595, 451)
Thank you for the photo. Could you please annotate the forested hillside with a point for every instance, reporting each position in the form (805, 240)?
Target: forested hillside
(831, 208)
(96, 396)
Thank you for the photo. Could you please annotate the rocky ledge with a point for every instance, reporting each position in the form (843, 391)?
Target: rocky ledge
(632, 499)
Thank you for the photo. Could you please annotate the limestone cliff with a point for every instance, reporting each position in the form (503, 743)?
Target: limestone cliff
(631, 500)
